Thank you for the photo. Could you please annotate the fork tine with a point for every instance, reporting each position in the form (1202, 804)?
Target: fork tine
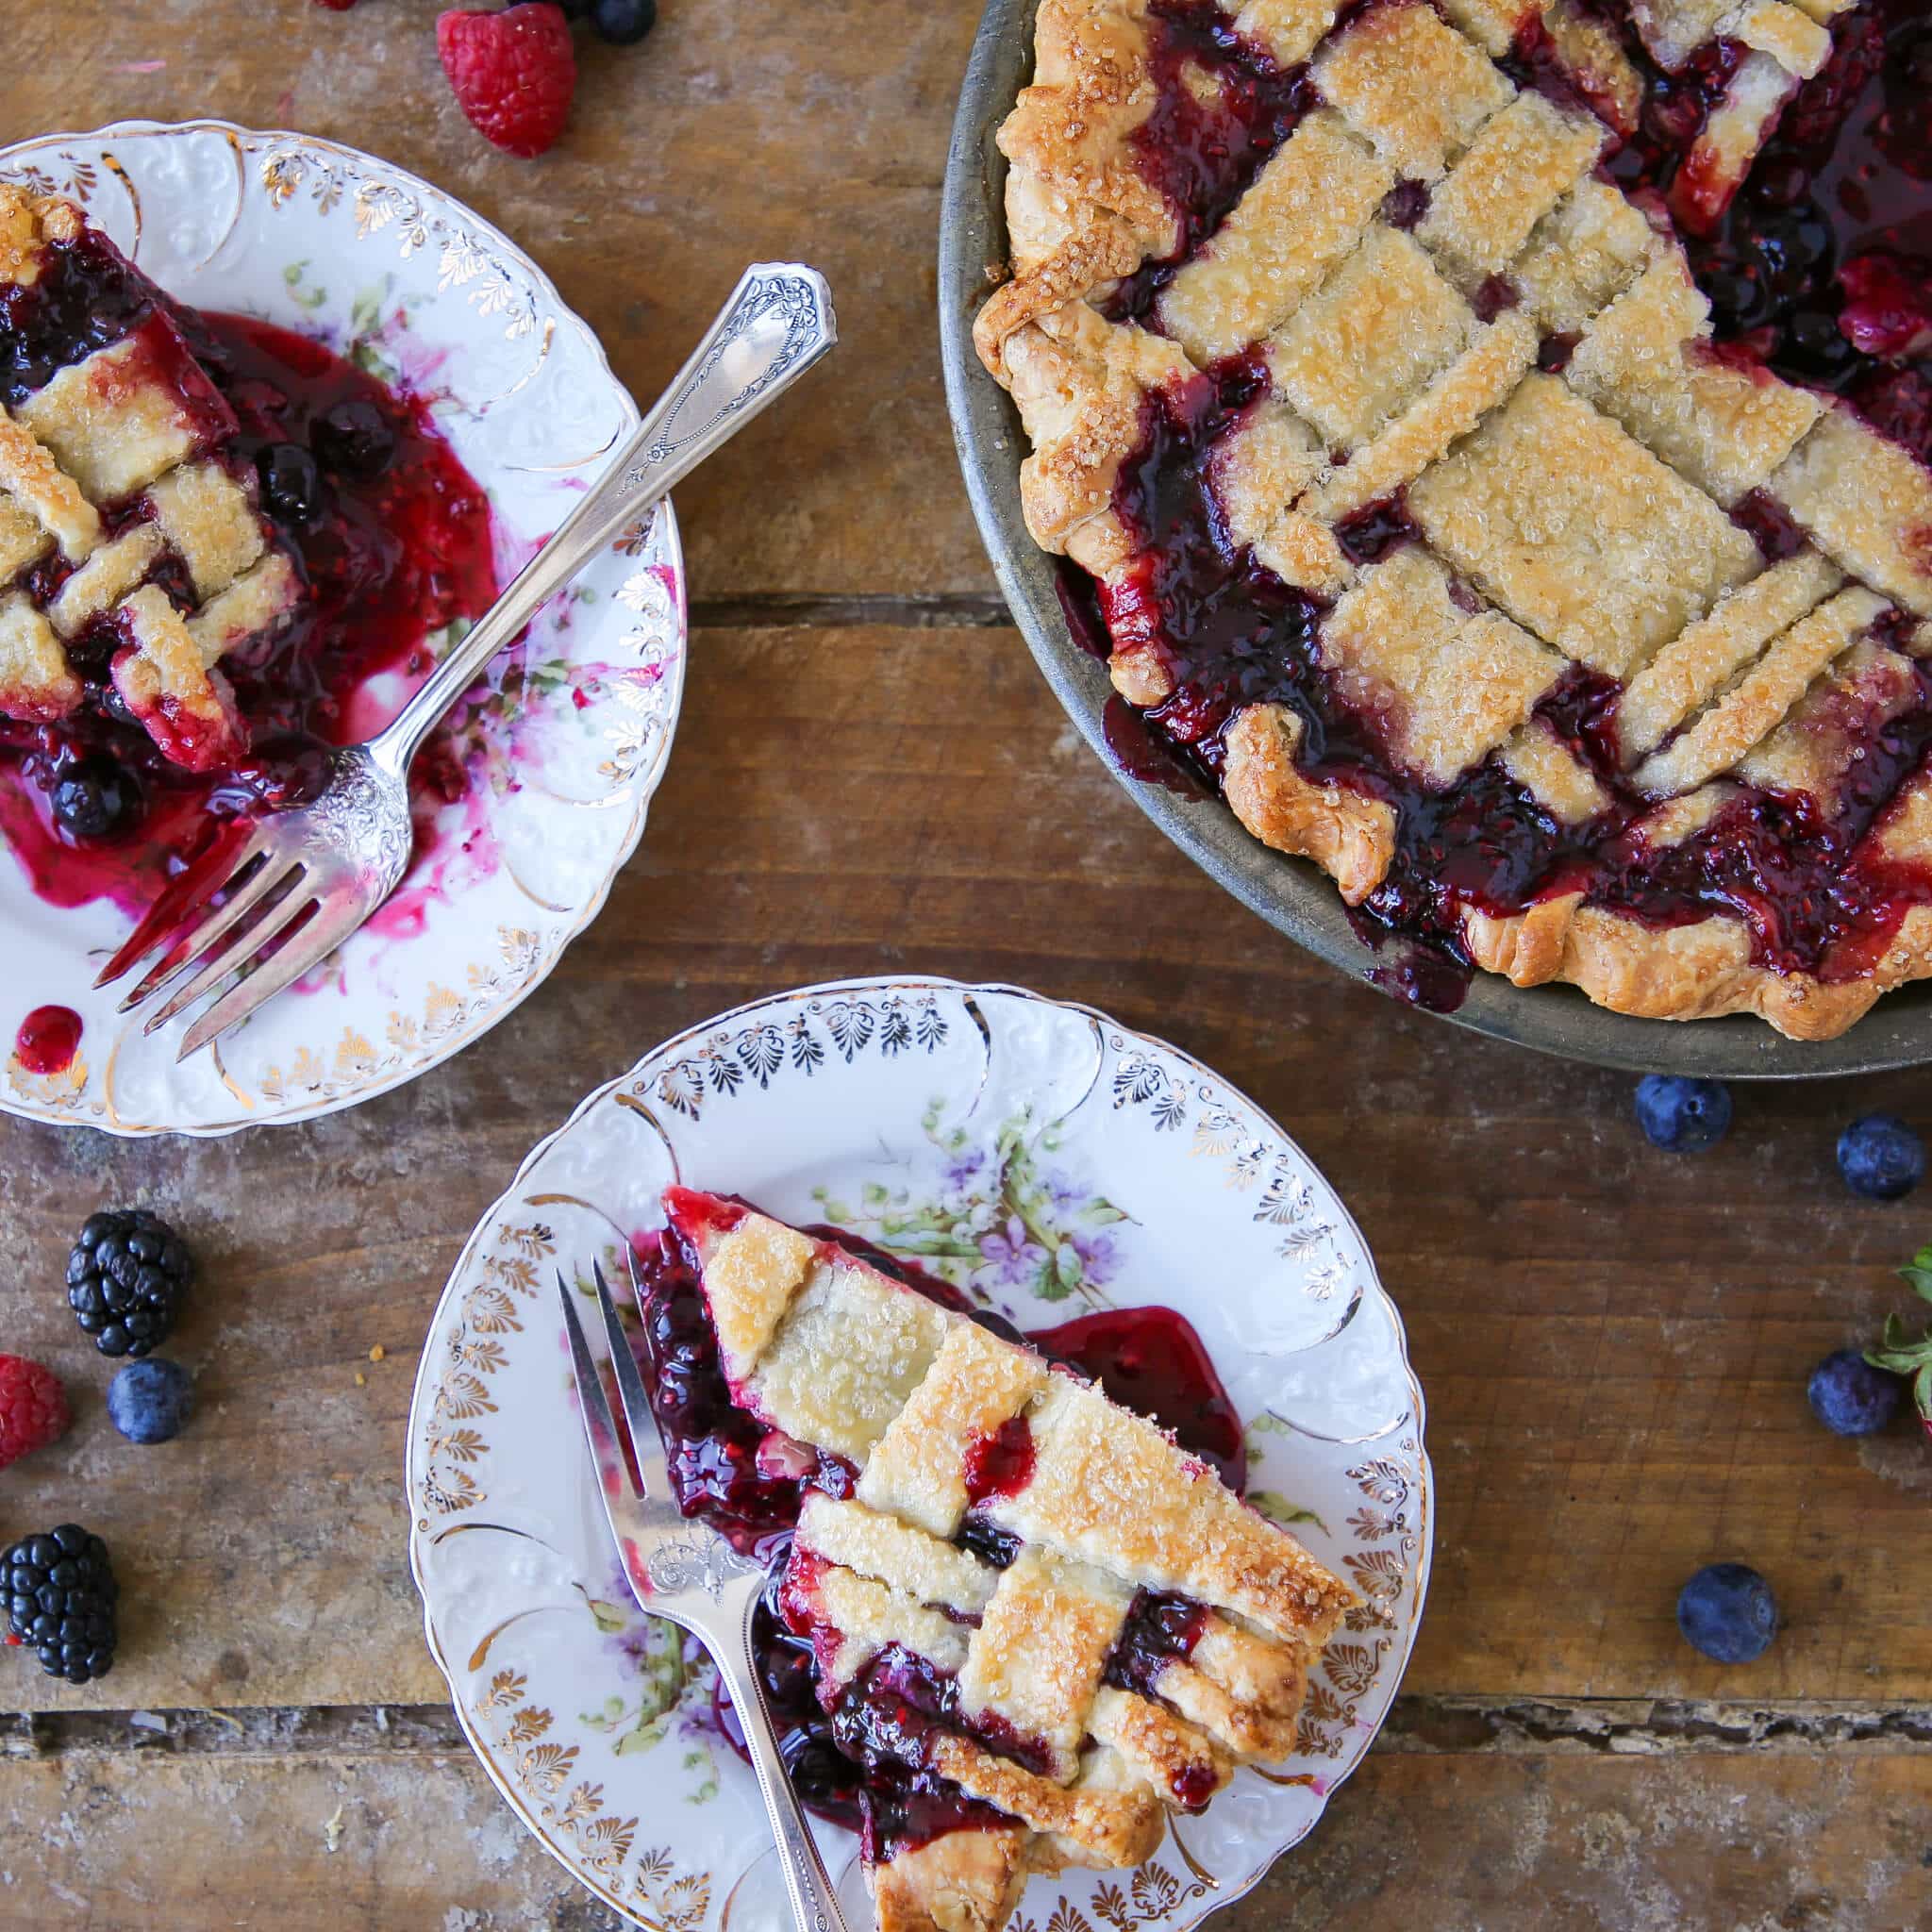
(183, 952)
(630, 1384)
(302, 949)
(600, 1428)
(237, 952)
(179, 899)
(335, 919)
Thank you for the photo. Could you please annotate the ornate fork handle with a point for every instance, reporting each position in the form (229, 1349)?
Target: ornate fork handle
(777, 323)
(814, 1905)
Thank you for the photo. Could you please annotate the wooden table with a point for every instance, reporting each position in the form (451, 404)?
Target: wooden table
(869, 775)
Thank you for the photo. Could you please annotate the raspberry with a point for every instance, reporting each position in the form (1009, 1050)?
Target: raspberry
(336, 6)
(513, 73)
(33, 1408)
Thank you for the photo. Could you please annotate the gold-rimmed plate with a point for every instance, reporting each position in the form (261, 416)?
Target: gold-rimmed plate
(1047, 1161)
(563, 741)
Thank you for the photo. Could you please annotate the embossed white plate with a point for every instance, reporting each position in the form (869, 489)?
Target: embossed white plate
(1044, 1159)
(564, 739)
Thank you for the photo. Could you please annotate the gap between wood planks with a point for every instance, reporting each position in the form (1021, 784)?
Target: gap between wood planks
(964, 610)
(1418, 1725)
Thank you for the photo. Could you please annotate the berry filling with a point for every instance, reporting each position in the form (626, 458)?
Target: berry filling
(1000, 1464)
(861, 1752)
(1202, 154)
(389, 535)
(1819, 268)
(86, 298)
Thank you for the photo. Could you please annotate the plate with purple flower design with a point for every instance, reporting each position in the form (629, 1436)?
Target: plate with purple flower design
(1046, 1162)
(322, 276)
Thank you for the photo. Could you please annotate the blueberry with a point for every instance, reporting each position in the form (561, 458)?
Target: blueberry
(1851, 1397)
(787, 1675)
(1683, 1116)
(1727, 1612)
(93, 798)
(149, 1400)
(1815, 342)
(354, 437)
(1881, 1158)
(290, 483)
(623, 22)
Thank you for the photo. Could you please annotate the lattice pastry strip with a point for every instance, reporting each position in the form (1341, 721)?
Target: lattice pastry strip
(1583, 254)
(1695, 667)
(1742, 713)
(1445, 685)
(1865, 503)
(1412, 87)
(1578, 531)
(1525, 161)
(32, 664)
(1304, 213)
(1381, 327)
(1812, 750)
(1645, 360)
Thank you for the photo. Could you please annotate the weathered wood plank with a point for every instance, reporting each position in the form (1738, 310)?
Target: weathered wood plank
(734, 134)
(1614, 1341)
(383, 1837)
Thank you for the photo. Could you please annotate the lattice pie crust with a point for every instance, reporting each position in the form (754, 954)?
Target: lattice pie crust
(1569, 518)
(839, 1355)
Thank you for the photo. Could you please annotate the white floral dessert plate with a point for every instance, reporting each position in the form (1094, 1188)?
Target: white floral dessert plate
(1047, 1160)
(563, 741)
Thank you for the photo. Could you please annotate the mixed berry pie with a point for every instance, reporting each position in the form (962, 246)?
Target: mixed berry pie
(1493, 441)
(1012, 1624)
(214, 536)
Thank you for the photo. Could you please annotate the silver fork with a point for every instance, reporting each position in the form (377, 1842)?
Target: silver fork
(688, 1573)
(331, 862)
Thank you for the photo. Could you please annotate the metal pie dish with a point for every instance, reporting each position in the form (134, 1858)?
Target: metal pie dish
(1291, 894)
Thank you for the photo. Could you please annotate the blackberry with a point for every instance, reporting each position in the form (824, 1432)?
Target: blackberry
(60, 1594)
(126, 1278)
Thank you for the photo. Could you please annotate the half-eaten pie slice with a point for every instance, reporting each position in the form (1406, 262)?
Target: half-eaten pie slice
(133, 556)
(1017, 1625)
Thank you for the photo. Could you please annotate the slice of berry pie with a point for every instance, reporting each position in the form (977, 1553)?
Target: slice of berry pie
(224, 547)
(1017, 1625)
(1493, 440)
(133, 557)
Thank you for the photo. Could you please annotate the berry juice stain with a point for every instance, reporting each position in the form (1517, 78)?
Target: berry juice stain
(47, 1040)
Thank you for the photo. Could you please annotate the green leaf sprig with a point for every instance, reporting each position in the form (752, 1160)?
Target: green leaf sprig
(1901, 1353)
